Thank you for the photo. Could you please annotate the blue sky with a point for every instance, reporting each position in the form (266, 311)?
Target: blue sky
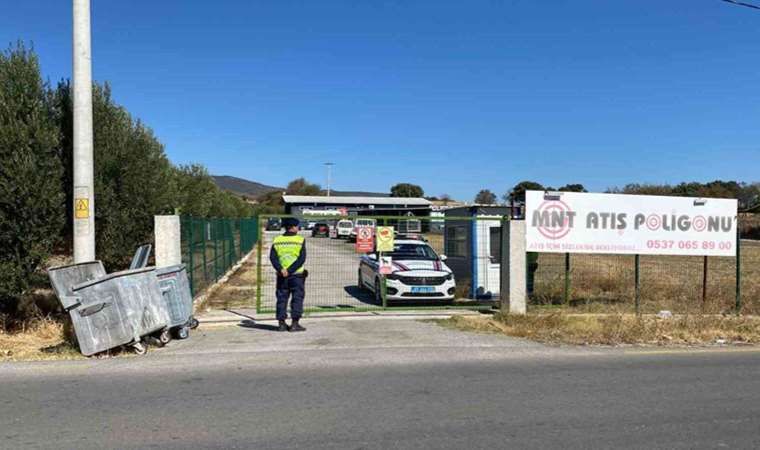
(454, 96)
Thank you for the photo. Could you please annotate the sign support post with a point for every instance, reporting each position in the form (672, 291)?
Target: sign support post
(637, 283)
(738, 271)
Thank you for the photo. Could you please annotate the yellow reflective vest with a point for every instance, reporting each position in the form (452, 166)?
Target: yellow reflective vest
(287, 249)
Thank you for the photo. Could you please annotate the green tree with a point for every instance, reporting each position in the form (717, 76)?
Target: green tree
(407, 190)
(31, 198)
(485, 197)
(134, 180)
(573, 188)
(517, 193)
(300, 186)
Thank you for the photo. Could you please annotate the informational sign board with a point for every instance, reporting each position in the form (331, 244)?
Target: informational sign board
(386, 265)
(570, 222)
(365, 240)
(385, 239)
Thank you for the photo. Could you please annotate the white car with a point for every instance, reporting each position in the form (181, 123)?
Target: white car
(418, 273)
(370, 223)
(343, 229)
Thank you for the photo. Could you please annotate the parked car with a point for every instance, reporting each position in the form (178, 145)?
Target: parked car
(320, 229)
(274, 223)
(361, 223)
(418, 273)
(343, 229)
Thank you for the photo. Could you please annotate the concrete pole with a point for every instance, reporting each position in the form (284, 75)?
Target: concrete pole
(513, 267)
(84, 186)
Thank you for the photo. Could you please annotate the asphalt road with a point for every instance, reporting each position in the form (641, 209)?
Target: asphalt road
(247, 387)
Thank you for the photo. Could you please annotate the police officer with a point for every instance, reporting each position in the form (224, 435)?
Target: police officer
(288, 256)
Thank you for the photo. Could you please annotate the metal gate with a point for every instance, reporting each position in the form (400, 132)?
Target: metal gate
(428, 249)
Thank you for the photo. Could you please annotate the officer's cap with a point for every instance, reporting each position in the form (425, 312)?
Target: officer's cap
(289, 222)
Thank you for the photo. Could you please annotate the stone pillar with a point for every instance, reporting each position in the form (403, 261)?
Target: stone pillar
(513, 267)
(168, 241)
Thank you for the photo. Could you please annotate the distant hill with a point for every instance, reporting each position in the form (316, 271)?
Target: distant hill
(253, 190)
(240, 186)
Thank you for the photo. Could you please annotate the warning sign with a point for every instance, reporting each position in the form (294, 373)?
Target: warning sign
(386, 265)
(365, 240)
(81, 208)
(385, 239)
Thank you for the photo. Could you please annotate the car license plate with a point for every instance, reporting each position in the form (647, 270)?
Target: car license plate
(422, 289)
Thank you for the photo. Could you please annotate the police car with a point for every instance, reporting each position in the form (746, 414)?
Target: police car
(418, 273)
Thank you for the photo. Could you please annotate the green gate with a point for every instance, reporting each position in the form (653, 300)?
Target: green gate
(333, 264)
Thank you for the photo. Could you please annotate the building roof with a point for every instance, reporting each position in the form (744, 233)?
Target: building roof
(356, 200)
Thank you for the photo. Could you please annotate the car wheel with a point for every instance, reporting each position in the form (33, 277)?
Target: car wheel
(359, 281)
(378, 292)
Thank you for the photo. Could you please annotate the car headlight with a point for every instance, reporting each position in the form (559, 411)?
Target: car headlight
(450, 276)
(393, 276)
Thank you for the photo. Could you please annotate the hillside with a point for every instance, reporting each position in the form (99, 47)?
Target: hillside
(252, 189)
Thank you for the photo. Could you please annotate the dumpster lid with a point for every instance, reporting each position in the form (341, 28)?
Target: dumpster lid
(111, 276)
(170, 269)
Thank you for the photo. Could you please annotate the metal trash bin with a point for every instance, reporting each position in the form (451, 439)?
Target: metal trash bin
(63, 278)
(100, 324)
(175, 289)
(137, 304)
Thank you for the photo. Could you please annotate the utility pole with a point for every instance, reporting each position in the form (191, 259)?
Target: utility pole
(329, 175)
(84, 186)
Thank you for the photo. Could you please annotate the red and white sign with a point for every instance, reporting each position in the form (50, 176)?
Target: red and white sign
(570, 222)
(386, 265)
(365, 240)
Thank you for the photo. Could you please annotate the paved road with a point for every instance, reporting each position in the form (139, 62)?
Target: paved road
(332, 265)
(378, 384)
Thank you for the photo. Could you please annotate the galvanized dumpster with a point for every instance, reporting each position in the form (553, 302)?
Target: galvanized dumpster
(175, 289)
(137, 302)
(63, 278)
(100, 323)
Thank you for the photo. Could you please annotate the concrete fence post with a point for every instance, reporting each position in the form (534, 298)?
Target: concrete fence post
(168, 241)
(513, 267)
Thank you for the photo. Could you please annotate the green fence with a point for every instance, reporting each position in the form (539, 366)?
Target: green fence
(210, 247)
(343, 277)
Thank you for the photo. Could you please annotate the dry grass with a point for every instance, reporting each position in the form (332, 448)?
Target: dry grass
(605, 283)
(37, 339)
(238, 291)
(617, 329)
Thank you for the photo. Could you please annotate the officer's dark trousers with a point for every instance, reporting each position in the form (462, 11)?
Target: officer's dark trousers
(293, 285)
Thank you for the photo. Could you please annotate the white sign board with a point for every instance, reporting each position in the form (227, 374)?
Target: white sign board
(570, 222)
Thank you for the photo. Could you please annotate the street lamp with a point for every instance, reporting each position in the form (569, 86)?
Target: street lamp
(329, 175)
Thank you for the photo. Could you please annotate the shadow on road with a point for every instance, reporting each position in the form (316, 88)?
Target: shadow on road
(257, 326)
(361, 295)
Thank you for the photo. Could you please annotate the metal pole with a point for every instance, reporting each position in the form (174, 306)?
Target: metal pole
(329, 176)
(704, 283)
(191, 259)
(637, 281)
(738, 271)
(567, 278)
(84, 185)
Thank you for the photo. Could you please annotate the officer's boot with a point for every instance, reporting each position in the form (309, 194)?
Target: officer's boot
(295, 326)
(283, 326)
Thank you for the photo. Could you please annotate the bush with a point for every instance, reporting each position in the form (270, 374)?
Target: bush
(31, 199)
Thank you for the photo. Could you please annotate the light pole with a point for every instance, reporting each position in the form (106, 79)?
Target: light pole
(329, 175)
(84, 204)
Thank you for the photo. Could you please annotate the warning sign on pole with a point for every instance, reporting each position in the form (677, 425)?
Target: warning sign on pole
(386, 265)
(365, 240)
(385, 239)
(81, 208)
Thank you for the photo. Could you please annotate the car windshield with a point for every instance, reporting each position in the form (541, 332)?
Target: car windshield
(413, 251)
(345, 224)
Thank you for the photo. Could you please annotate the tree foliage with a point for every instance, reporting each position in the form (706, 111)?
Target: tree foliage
(31, 198)
(572, 188)
(407, 190)
(485, 197)
(300, 186)
(517, 194)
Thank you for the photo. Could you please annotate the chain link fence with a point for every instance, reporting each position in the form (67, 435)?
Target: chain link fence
(681, 284)
(343, 278)
(210, 247)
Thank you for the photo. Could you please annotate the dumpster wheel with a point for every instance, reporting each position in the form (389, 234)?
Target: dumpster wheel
(194, 323)
(140, 348)
(183, 332)
(165, 337)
